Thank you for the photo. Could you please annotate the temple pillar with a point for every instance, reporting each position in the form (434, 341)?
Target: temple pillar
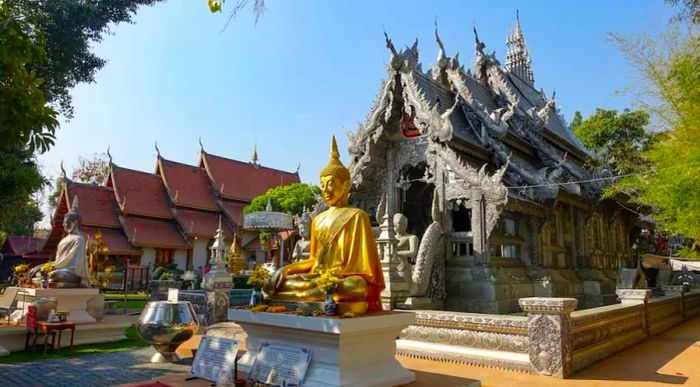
(549, 329)
(479, 228)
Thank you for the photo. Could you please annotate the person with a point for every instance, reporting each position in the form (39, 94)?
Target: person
(407, 248)
(341, 237)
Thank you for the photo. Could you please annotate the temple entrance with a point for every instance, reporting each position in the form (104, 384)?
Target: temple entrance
(416, 198)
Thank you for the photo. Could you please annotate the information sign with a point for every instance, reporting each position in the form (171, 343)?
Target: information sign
(215, 358)
(280, 365)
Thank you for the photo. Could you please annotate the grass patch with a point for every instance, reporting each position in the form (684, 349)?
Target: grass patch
(130, 304)
(132, 341)
(120, 296)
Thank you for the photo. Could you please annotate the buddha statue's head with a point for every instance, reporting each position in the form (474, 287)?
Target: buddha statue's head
(72, 219)
(400, 223)
(305, 225)
(335, 180)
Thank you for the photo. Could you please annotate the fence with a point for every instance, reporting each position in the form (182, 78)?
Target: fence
(553, 339)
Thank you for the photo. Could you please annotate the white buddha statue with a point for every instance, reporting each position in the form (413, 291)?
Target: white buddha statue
(71, 264)
(302, 248)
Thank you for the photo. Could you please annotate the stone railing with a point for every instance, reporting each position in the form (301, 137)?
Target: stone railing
(479, 339)
(553, 339)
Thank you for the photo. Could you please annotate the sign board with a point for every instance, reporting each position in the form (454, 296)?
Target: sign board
(173, 294)
(280, 365)
(215, 358)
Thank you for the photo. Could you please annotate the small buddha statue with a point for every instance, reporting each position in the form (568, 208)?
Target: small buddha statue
(407, 248)
(303, 245)
(71, 264)
(341, 237)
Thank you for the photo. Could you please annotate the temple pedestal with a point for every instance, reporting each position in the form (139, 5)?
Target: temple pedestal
(75, 301)
(355, 351)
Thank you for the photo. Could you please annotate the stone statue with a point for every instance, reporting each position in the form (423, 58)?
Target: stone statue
(341, 237)
(303, 245)
(407, 248)
(71, 264)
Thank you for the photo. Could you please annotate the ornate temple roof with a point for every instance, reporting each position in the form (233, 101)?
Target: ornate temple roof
(166, 209)
(237, 180)
(113, 238)
(490, 116)
(187, 185)
(201, 224)
(144, 232)
(139, 193)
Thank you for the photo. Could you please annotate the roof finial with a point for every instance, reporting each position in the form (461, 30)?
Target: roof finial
(390, 44)
(518, 60)
(109, 155)
(554, 94)
(442, 61)
(298, 167)
(268, 207)
(254, 158)
(63, 172)
(157, 150)
(201, 147)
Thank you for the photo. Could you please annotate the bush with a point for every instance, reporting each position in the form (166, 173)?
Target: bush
(241, 282)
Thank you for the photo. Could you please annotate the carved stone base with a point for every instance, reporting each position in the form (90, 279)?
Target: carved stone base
(74, 301)
(356, 351)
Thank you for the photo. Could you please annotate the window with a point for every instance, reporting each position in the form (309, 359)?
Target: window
(509, 251)
(164, 257)
(509, 226)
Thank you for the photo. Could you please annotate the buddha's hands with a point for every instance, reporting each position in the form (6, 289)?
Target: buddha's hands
(279, 276)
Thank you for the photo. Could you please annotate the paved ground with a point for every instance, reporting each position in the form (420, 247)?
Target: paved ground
(670, 358)
(108, 369)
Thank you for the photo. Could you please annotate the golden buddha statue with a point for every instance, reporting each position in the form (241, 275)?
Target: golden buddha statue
(341, 237)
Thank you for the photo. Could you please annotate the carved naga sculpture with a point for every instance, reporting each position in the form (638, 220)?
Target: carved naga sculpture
(419, 275)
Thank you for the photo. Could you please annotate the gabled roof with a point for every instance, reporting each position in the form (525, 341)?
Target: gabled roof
(97, 205)
(237, 180)
(139, 193)
(114, 239)
(22, 245)
(200, 223)
(187, 185)
(153, 233)
(234, 210)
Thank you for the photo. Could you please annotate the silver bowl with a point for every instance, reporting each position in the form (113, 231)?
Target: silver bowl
(166, 325)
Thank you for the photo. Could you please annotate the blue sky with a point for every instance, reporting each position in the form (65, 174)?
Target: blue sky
(310, 69)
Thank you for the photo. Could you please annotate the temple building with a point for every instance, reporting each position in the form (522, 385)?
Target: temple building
(519, 207)
(171, 215)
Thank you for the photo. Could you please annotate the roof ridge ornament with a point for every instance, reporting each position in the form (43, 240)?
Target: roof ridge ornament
(63, 172)
(109, 155)
(201, 147)
(396, 61)
(157, 150)
(254, 158)
(518, 60)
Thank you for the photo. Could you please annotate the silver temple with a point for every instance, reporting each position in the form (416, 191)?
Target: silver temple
(505, 168)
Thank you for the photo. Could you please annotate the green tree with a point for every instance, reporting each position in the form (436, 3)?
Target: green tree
(618, 139)
(23, 222)
(25, 118)
(19, 179)
(670, 66)
(290, 198)
(576, 121)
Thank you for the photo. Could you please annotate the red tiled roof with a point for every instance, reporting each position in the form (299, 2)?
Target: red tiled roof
(187, 185)
(96, 204)
(114, 239)
(201, 224)
(153, 233)
(243, 181)
(234, 210)
(22, 245)
(140, 193)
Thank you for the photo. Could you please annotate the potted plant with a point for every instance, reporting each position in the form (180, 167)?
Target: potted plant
(329, 280)
(257, 279)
